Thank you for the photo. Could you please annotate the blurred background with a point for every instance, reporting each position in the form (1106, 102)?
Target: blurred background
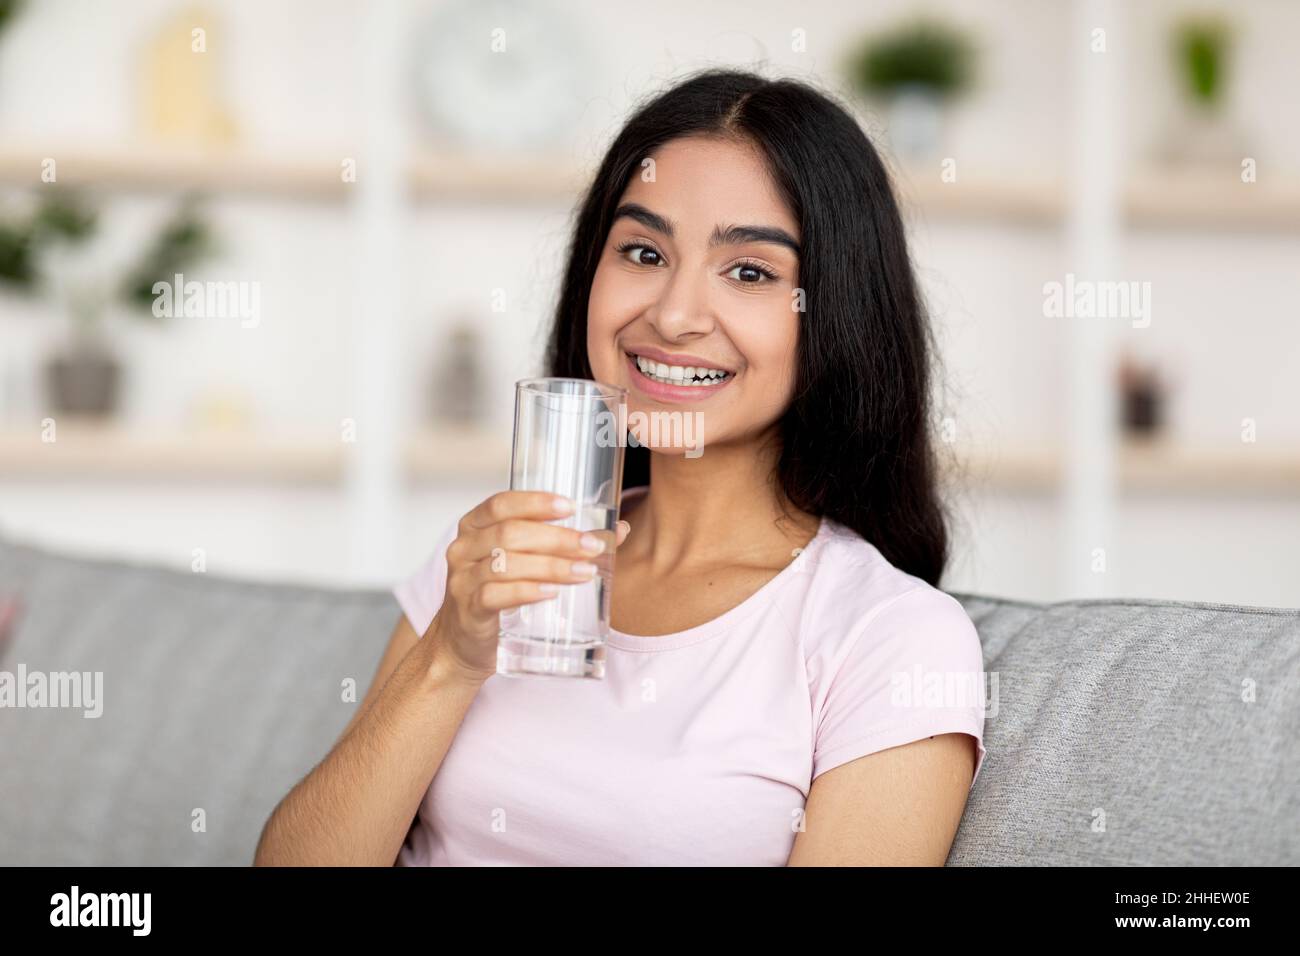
(358, 213)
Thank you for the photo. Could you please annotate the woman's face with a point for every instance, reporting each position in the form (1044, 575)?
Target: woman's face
(699, 271)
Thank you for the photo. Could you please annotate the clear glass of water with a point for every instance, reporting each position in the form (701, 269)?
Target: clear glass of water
(568, 440)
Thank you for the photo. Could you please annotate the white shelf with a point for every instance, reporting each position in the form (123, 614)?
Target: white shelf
(433, 454)
(1152, 198)
(88, 451)
(169, 169)
(93, 452)
(980, 199)
(1192, 198)
(318, 176)
(531, 177)
(1157, 465)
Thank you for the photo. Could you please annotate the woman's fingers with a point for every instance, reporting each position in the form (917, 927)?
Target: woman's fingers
(530, 535)
(522, 566)
(526, 525)
(538, 505)
(497, 596)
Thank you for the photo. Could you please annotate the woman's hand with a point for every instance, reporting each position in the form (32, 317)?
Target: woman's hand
(506, 554)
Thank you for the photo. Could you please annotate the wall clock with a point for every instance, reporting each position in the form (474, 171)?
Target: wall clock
(501, 74)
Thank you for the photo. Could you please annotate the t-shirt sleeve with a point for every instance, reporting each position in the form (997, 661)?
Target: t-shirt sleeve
(912, 669)
(420, 595)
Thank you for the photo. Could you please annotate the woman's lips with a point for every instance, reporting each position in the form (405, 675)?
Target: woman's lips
(672, 393)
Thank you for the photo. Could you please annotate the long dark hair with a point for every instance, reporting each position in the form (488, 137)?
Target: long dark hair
(855, 440)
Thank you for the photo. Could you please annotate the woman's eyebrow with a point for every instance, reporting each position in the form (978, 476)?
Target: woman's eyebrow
(730, 236)
(736, 235)
(651, 220)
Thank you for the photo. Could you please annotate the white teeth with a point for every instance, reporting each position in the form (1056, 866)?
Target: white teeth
(680, 374)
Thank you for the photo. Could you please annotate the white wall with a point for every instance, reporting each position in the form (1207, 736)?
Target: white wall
(1224, 303)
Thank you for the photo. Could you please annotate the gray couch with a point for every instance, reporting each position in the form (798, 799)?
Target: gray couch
(1126, 732)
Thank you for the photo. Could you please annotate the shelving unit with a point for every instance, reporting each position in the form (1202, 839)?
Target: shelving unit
(1188, 197)
(368, 487)
(1151, 198)
(1145, 466)
(1214, 199)
(318, 176)
(89, 451)
(171, 169)
(103, 451)
(976, 198)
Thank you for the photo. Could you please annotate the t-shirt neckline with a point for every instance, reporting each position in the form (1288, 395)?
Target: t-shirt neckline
(727, 619)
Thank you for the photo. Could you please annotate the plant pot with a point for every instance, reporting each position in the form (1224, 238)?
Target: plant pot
(1201, 136)
(458, 392)
(1143, 410)
(83, 381)
(915, 119)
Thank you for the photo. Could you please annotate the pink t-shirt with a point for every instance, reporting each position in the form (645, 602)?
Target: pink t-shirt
(700, 747)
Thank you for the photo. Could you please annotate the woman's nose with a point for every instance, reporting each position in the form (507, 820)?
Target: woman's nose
(683, 306)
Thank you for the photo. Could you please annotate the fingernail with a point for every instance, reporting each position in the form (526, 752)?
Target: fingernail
(583, 567)
(562, 505)
(592, 543)
(548, 588)
(626, 527)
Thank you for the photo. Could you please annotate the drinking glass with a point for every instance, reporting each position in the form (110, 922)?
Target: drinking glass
(568, 440)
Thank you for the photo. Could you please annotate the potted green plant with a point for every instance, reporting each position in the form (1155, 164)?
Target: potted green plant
(7, 10)
(83, 376)
(1201, 48)
(915, 69)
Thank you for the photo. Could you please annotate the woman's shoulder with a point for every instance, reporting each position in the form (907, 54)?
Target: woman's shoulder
(844, 561)
(857, 591)
(890, 658)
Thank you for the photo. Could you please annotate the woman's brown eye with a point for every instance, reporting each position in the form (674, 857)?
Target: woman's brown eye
(642, 255)
(749, 274)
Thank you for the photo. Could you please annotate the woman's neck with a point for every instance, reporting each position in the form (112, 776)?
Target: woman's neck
(723, 507)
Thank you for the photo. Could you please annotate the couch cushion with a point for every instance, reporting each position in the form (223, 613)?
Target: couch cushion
(217, 695)
(1137, 732)
(220, 695)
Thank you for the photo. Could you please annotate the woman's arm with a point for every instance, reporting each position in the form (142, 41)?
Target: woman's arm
(895, 807)
(356, 806)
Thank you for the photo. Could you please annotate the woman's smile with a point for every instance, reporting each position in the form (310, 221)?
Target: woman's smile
(675, 382)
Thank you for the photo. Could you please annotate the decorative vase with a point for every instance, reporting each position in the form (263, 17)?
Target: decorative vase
(915, 119)
(84, 380)
(458, 386)
(1204, 136)
(1143, 393)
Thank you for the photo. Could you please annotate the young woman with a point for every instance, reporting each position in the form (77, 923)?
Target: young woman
(777, 627)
